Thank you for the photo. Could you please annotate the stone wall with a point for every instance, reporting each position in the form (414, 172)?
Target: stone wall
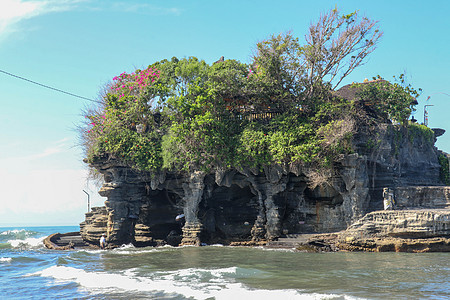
(413, 197)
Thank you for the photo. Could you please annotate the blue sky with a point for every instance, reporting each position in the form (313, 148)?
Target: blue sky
(78, 46)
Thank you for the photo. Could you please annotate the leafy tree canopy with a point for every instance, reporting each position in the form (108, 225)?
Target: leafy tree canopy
(184, 114)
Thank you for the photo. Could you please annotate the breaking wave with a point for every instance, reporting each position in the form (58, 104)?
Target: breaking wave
(185, 283)
(21, 239)
(16, 234)
(5, 259)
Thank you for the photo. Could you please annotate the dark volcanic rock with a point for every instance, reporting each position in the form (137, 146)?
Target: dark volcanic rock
(243, 206)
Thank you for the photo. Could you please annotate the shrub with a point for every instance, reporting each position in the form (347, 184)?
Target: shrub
(444, 172)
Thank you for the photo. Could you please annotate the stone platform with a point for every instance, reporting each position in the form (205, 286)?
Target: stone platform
(65, 241)
(419, 230)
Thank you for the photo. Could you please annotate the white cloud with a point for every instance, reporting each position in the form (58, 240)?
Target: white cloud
(55, 148)
(41, 193)
(9, 161)
(12, 12)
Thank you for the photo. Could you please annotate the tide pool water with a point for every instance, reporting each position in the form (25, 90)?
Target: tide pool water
(29, 271)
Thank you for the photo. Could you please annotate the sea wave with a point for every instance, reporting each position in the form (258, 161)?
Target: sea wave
(5, 259)
(28, 243)
(19, 234)
(123, 250)
(189, 283)
(14, 231)
(21, 239)
(134, 250)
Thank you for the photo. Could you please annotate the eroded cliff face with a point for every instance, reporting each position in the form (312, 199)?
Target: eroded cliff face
(417, 230)
(396, 157)
(249, 206)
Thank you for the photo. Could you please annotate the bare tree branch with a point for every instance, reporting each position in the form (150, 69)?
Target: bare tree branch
(336, 45)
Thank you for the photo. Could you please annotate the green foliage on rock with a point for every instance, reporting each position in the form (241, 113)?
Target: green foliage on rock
(394, 101)
(420, 132)
(193, 116)
(185, 115)
(125, 128)
(444, 172)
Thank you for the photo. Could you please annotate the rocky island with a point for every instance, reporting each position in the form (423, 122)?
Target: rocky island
(269, 153)
(252, 207)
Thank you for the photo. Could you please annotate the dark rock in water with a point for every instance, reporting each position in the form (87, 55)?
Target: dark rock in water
(253, 207)
(174, 238)
(438, 244)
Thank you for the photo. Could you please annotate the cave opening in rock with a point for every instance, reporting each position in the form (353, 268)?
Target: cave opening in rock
(157, 217)
(228, 213)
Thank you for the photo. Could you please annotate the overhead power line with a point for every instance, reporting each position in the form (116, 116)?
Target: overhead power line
(49, 87)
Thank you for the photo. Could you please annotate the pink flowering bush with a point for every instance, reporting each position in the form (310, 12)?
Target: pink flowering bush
(134, 83)
(113, 131)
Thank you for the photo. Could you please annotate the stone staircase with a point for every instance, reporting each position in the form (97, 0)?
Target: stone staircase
(76, 240)
(65, 241)
(291, 241)
(95, 224)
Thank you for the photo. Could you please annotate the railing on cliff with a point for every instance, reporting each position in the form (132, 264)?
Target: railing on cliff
(262, 117)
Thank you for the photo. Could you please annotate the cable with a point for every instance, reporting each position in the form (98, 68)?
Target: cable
(49, 87)
(437, 93)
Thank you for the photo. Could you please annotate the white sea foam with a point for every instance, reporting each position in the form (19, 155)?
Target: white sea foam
(5, 259)
(126, 252)
(127, 249)
(14, 231)
(278, 249)
(17, 232)
(27, 243)
(195, 283)
(130, 249)
(127, 246)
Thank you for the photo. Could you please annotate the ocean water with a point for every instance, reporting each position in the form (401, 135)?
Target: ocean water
(30, 271)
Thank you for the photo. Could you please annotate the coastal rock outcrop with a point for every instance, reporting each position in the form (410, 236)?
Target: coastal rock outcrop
(400, 231)
(245, 206)
(94, 225)
(401, 223)
(412, 230)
